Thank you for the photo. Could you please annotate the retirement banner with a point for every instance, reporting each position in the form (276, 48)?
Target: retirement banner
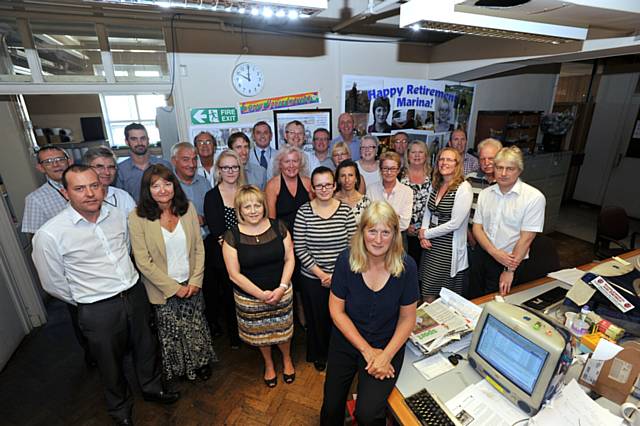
(385, 105)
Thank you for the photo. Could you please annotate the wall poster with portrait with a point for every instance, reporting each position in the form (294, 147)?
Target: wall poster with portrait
(312, 119)
(426, 108)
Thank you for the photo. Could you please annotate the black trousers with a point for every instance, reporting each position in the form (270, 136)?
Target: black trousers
(73, 313)
(113, 327)
(484, 277)
(415, 249)
(315, 299)
(228, 305)
(211, 285)
(343, 364)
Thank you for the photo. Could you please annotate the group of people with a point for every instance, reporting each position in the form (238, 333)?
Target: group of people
(356, 239)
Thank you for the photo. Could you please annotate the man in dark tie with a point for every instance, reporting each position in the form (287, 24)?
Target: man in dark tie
(262, 153)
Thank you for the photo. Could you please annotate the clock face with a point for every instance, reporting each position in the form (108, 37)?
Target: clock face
(247, 79)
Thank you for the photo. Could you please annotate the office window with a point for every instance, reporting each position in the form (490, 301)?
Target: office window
(121, 110)
(13, 59)
(67, 50)
(138, 53)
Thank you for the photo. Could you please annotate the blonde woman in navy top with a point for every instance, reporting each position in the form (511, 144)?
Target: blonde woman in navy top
(374, 290)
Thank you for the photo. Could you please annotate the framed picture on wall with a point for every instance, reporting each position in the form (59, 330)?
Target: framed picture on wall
(312, 119)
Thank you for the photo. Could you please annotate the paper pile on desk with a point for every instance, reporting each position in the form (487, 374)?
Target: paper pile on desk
(445, 320)
(572, 406)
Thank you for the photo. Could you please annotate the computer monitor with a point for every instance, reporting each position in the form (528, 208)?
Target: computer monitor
(519, 353)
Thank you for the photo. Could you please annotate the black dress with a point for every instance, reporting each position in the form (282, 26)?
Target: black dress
(261, 259)
(287, 205)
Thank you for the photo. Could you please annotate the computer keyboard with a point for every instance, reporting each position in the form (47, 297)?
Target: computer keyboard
(430, 410)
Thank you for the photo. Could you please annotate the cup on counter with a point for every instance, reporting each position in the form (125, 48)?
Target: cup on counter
(631, 413)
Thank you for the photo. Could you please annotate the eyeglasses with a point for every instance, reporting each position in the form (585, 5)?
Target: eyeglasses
(204, 143)
(52, 161)
(229, 169)
(102, 168)
(389, 169)
(367, 148)
(447, 160)
(323, 186)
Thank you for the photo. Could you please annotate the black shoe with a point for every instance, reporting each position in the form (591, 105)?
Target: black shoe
(216, 330)
(320, 365)
(271, 383)
(89, 361)
(124, 422)
(289, 378)
(162, 397)
(203, 373)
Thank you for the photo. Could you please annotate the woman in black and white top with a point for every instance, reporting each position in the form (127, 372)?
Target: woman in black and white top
(321, 231)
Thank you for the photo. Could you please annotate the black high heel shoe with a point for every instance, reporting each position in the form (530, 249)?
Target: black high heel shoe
(271, 383)
(289, 378)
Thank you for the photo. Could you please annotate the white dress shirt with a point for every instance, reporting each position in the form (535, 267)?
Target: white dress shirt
(210, 176)
(120, 199)
(503, 216)
(400, 198)
(83, 262)
(457, 224)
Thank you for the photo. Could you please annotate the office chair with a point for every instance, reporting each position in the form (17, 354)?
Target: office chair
(543, 258)
(613, 227)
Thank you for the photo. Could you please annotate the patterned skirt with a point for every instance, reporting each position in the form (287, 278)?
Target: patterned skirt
(261, 324)
(185, 340)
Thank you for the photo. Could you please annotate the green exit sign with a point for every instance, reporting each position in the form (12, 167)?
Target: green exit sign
(214, 115)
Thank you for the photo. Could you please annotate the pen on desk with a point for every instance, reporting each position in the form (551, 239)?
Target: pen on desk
(619, 287)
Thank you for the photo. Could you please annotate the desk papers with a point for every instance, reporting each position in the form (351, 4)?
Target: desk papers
(482, 405)
(445, 320)
(571, 406)
(569, 276)
(433, 366)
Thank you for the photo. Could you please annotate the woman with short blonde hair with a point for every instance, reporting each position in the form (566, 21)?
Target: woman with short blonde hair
(373, 298)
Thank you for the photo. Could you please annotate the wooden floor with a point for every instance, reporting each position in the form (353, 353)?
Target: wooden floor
(46, 382)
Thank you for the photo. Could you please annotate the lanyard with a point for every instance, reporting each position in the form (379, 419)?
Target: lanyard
(57, 190)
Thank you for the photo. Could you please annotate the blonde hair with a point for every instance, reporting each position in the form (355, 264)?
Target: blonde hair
(512, 154)
(423, 146)
(225, 154)
(378, 212)
(248, 193)
(389, 155)
(458, 174)
(340, 145)
(286, 150)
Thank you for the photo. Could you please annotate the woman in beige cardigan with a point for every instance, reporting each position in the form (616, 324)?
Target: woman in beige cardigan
(168, 249)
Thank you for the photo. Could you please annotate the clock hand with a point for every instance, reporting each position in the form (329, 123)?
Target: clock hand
(248, 73)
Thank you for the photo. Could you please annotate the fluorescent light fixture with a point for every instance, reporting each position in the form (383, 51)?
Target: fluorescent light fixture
(241, 10)
(280, 13)
(267, 12)
(441, 16)
(313, 4)
(416, 27)
(164, 4)
(255, 11)
(293, 14)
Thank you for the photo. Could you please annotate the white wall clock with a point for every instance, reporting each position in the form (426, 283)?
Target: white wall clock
(247, 79)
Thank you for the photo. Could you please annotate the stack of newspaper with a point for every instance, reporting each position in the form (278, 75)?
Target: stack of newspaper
(443, 321)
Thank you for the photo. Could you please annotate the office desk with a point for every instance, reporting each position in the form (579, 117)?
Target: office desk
(448, 385)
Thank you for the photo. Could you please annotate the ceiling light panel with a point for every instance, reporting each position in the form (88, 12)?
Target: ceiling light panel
(300, 7)
(441, 16)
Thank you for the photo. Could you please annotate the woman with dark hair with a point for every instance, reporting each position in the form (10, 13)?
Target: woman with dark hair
(348, 180)
(443, 233)
(220, 216)
(321, 231)
(373, 297)
(381, 109)
(168, 250)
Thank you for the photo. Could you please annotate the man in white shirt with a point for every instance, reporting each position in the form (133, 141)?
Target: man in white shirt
(346, 127)
(262, 154)
(103, 161)
(399, 195)
(205, 145)
(508, 216)
(320, 155)
(82, 258)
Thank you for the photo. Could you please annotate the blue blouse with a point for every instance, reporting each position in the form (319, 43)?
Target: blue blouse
(374, 313)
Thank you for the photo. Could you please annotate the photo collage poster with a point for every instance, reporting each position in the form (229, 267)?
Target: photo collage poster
(427, 110)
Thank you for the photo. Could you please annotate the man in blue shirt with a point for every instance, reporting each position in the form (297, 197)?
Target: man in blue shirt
(130, 170)
(346, 127)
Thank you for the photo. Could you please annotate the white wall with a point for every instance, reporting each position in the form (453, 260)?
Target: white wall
(208, 83)
(527, 92)
(609, 129)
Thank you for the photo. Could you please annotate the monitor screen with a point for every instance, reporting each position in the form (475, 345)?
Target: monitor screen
(514, 356)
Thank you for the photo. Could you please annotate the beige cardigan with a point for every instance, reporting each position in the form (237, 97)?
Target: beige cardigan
(150, 254)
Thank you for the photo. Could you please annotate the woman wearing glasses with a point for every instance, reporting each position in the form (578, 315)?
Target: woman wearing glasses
(367, 165)
(389, 189)
(220, 216)
(443, 233)
(321, 231)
